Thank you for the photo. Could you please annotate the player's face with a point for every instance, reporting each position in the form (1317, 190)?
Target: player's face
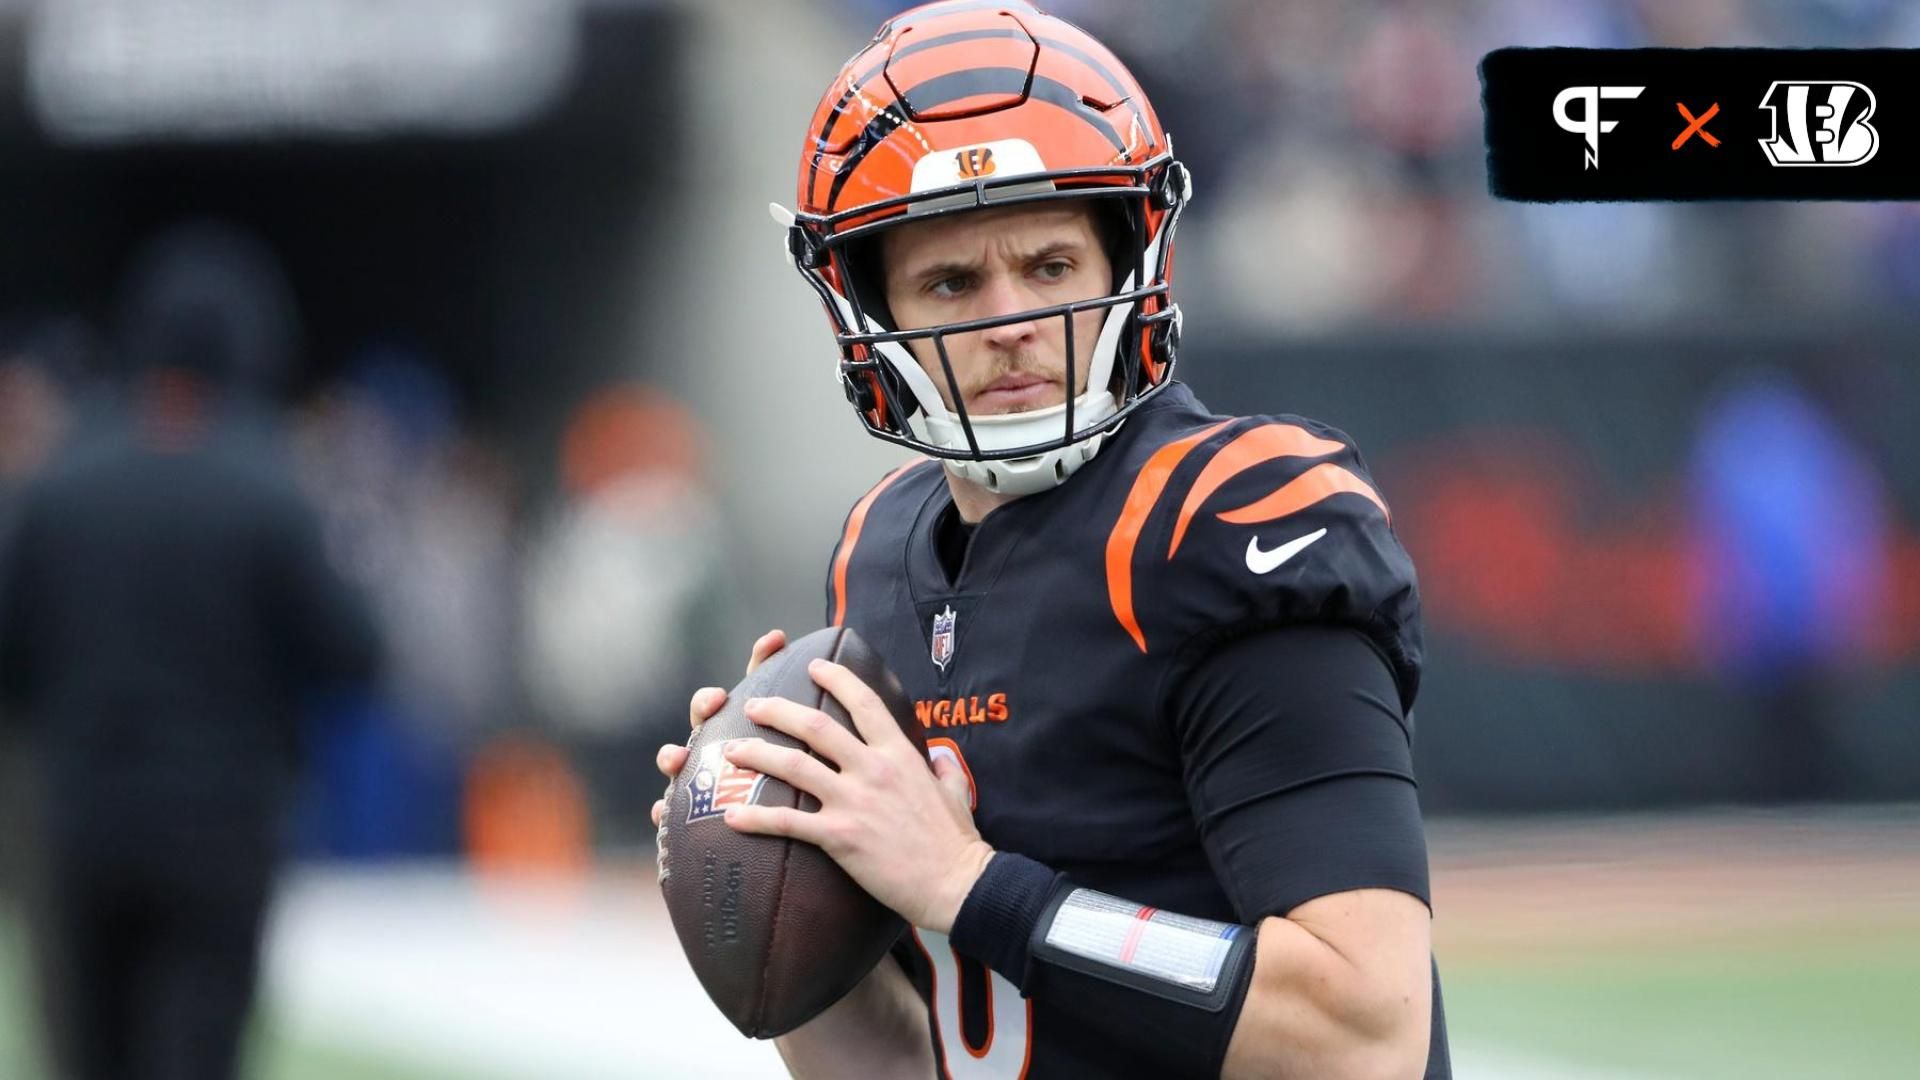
(997, 262)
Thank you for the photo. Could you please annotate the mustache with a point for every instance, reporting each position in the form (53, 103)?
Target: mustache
(1028, 364)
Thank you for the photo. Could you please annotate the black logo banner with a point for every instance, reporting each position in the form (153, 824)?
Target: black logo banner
(1660, 124)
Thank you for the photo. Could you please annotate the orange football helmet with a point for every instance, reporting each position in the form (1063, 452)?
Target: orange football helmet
(961, 105)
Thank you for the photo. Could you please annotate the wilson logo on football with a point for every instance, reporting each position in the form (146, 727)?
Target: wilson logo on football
(1820, 123)
(975, 163)
(718, 784)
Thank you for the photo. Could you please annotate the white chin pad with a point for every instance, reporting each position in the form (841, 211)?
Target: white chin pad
(1028, 475)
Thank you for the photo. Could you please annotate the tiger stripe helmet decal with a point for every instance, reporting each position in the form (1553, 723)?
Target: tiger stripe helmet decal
(952, 75)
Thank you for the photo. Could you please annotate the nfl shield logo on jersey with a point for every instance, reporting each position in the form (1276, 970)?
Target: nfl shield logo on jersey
(943, 637)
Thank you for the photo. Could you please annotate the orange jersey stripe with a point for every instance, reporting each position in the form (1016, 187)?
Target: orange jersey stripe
(1147, 488)
(1261, 444)
(1323, 481)
(855, 521)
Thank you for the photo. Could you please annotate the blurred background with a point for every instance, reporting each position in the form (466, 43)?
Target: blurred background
(570, 422)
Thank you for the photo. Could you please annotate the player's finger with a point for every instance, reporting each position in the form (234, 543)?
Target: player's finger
(796, 767)
(778, 821)
(876, 725)
(764, 646)
(953, 779)
(706, 701)
(659, 811)
(822, 733)
(670, 759)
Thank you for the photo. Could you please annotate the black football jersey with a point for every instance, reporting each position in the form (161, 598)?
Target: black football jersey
(1043, 665)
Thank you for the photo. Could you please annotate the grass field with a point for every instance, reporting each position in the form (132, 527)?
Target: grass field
(17, 1052)
(1705, 946)
(1634, 949)
(1798, 1009)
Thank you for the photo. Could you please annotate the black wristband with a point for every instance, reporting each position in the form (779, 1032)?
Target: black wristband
(997, 920)
(1170, 992)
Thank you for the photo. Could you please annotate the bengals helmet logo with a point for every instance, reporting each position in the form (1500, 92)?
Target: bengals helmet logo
(1820, 123)
(975, 163)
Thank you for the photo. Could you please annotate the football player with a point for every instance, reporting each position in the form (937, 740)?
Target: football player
(1165, 658)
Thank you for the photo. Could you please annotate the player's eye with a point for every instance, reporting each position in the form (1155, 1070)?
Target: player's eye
(1053, 270)
(946, 288)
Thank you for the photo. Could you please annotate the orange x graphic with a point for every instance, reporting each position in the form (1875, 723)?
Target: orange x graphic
(1697, 125)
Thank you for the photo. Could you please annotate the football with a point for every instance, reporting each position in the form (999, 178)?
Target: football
(774, 929)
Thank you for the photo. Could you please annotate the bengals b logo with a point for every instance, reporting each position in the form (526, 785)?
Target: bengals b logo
(975, 163)
(1819, 123)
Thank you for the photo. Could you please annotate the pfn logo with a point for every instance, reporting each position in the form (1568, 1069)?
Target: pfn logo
(975, 163)
(1589, 123)
(1826, 124)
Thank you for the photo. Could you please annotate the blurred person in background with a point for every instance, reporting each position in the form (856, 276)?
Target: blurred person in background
(1791, 544)
(167, 613)
(625, 589)
(416, 511)
(33, 420)
(35, 413)
(1169, 654)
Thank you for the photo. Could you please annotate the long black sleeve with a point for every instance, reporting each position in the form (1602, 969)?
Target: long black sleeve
(1299, 768)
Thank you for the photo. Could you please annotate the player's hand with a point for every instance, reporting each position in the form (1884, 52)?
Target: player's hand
(706, 701)
(900, 830)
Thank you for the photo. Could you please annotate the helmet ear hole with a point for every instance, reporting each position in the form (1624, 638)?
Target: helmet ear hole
(1113, 224)
(865, 277)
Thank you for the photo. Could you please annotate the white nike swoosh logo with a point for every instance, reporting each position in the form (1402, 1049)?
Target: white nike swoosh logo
(1266, 562)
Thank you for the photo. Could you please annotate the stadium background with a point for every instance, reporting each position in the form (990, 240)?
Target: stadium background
(573, 422)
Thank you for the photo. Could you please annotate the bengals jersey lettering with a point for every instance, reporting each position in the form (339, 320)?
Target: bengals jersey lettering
(1049, 664)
